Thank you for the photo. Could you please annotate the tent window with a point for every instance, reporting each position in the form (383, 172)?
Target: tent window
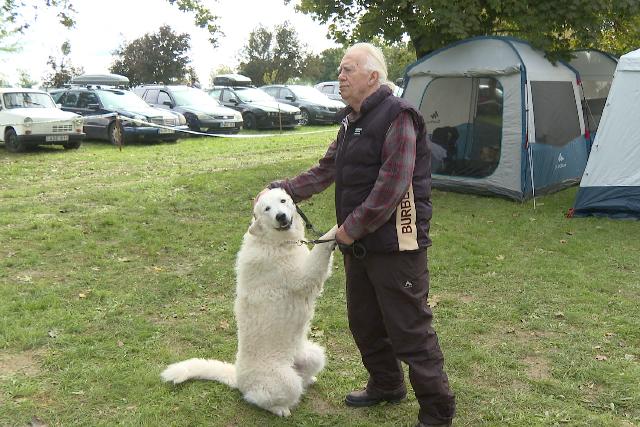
(464, 117)
(555, 113)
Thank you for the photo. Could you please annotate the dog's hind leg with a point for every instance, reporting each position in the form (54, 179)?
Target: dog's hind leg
(309, 361)
(277, 390)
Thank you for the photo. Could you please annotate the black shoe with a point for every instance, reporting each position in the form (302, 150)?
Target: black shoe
(362, 398)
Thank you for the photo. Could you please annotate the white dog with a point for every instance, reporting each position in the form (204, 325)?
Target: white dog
(278, 281)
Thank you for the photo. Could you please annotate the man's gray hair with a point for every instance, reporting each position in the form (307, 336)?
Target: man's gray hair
(375, 59)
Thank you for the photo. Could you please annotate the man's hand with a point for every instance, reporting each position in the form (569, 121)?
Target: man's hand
(342, 236)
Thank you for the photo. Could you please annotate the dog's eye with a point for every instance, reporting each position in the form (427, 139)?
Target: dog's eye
(283, 201)
(267, 208)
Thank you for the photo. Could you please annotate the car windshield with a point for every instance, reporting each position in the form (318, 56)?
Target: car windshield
(253, 95)
(28, 100)
(195, 97)
(309, 93)
(114, 99)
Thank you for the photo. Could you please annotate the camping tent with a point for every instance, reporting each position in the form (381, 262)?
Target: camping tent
(611, 182)
(596, 70)
(503, 119)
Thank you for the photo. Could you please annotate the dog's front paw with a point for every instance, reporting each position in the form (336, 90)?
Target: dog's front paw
(175, 373)
(331, 234)
(280, 411)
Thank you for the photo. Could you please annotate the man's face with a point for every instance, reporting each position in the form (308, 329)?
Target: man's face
(356, 82)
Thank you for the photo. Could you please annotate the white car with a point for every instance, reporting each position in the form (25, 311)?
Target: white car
(29, 117)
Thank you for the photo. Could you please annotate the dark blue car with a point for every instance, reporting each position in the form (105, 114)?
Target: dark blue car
(98, 104)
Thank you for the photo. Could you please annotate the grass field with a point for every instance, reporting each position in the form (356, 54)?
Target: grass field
(114, 264)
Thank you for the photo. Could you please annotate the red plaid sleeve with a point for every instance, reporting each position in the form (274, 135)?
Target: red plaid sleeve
(394, 179)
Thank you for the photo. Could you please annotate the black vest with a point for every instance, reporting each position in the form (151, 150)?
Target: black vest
(358, 162)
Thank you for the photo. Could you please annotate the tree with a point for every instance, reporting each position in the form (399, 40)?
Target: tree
(25, 79)
(551, 25)
(324, 67)
(62, 69)
(159, 57)
(272, 57)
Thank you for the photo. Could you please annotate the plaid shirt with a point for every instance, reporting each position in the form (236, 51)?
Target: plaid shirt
(398, 161)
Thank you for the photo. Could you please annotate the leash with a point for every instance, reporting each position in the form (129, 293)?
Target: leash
(356, 248)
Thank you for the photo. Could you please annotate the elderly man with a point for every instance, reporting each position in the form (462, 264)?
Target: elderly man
(380, 163)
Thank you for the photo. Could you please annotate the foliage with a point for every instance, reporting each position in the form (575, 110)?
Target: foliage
(160, 57)
(114, 264)
(550, 25)
(324, 67)
(25, 79)
(62, 68)
(272, 56)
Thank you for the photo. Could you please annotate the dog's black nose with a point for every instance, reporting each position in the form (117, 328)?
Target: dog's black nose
(282, 219)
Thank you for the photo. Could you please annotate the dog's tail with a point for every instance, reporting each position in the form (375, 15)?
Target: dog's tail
(201, 369)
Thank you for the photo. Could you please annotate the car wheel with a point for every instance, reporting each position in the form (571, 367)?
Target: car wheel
(11, 142)
(305, 117)
(193, 122)
(116, 134)
(249, 121)
(72, 145)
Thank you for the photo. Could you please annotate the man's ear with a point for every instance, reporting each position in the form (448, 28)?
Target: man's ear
(256, 227)
(374, 77)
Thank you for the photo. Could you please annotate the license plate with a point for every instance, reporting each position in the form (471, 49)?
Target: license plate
(298, 117)
(227, 124)
(56, 138)
(163, 130)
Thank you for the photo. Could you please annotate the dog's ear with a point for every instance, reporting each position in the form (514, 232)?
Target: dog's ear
(255, 228)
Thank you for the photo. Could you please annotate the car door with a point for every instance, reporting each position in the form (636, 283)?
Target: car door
(287, 96)
(226, 98)
(88, 105)
(164, 100)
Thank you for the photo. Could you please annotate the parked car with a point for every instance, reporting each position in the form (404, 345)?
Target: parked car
(202, 112)
(30, 117)
(96, 102)
(314, 106)
(259, 110)
(331, 90)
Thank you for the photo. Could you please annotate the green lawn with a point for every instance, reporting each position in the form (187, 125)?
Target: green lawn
(114, 264)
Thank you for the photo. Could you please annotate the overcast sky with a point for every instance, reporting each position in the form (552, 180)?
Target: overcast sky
(101, 27)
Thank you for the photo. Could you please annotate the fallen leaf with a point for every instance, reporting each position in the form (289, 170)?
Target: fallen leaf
(601, 357)
(82, 295)
(124, 259)
(500, 257)
(629, 357)
(224, 325)
(78, 393)
(53, 333)
(120, 344)
(563, 241)
(559, 315)
(609, 334)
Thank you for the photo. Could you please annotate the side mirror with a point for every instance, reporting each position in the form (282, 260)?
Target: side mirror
(233, 100)
(168, 104)
(93, 106)
(290, 98)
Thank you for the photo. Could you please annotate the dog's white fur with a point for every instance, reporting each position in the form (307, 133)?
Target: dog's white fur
(278, 282)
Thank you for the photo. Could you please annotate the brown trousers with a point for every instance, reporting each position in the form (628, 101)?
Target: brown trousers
(391, 322)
